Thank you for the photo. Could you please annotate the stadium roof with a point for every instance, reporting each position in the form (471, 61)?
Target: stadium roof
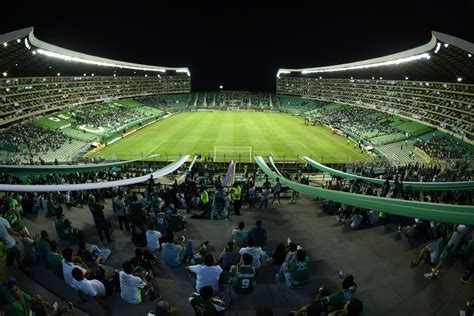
(23, 55)
(443, 58)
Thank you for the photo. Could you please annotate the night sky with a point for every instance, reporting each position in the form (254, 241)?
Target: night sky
(242, 48)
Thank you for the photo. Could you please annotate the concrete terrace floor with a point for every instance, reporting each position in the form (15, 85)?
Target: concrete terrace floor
(375, 256)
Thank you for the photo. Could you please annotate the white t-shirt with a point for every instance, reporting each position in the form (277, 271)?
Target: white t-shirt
(458, 235)
(255, 252)
(206, 276)
(5, 235)
(153, 239)
(434, 249)
(356, 219)
(90, 287)
(67, 272)
(129, 288)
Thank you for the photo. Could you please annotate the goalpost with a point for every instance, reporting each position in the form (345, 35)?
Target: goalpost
(239, 153)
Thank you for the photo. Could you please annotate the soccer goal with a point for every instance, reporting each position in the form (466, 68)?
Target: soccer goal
(233, 108)
(238, 153)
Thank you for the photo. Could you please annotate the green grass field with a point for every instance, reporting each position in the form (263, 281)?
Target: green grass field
(232, 133)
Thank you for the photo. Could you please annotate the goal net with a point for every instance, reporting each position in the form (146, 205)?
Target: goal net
(233, 108)
(237, 153)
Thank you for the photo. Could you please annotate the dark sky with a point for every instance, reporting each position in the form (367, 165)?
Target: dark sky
(242, 48)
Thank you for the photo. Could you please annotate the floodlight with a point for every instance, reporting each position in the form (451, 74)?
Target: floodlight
(446, 45)
(85, 75)
(59, 74)
(5, 44)
(406, 78)
(221, 87)
(4, 74)
(146, 75)
(459, 79)
(18, 40)
(34, 52)
(469, 55)
(115, 75)
(380, 78)
(92, 75)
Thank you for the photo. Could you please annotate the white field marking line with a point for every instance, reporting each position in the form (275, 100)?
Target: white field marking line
(162, 142)
(308, 149)
(222, 138)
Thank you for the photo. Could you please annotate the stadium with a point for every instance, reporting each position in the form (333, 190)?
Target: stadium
(346, 191)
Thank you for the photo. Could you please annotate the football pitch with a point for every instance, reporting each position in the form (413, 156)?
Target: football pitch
(228, 135)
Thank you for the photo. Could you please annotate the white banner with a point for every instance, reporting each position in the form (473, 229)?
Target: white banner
(92, 186)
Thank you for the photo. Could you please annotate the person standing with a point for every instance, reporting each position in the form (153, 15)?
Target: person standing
(277, 190)
(6, 235)
(120, 209)
(251, 195)
(101, 223)
(265, 196)
(236, 195)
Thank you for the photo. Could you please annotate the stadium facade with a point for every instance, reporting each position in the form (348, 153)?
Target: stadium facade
(432, 84)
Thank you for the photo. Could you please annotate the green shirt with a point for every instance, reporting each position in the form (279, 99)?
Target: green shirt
(204, 307)
(21, 305)
(237, 191)
(243, 278)
(54, 263)
(299, 272)
(204, 197)
(338, 299)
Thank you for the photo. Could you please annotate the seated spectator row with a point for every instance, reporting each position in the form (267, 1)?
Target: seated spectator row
(25, 97)
(445, 105)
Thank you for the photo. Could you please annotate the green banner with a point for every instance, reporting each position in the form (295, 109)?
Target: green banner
(446, 213)
(461, 185)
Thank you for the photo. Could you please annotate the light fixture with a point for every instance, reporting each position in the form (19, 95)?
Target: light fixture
(446, 45)
(385, 63)
(469, 55)
(406, 78)
(5, 44)
(85, 75)
(146, 75)
(221, 87)
(459, 79)
(94, 62)
(4, 74)
(92, 75)
(380, 78)
(59, 74)
(373, 78)
(115, 75)
(34, 52)
(27, 44)
(18, 40)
